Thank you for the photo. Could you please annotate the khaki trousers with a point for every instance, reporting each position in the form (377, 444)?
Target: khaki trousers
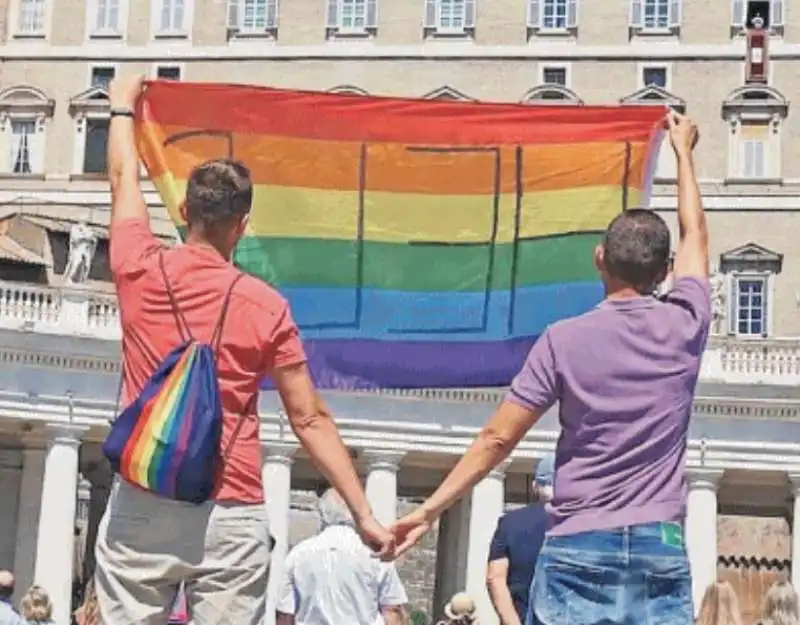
(146, 546)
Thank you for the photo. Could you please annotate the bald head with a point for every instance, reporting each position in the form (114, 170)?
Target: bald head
(6, 584)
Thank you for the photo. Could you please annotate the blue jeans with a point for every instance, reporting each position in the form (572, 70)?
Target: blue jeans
(636, 575)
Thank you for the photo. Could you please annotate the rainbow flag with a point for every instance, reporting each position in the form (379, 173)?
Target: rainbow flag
(420, 243)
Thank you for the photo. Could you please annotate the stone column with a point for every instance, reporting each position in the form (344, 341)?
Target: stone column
(701, 529)
(487, 505)
(55, 542)
(451, 553)
(30, 501)
(794, 481)
(381, 484)
(277, 477)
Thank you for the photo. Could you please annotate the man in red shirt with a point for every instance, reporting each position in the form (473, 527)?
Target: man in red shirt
(148, 545)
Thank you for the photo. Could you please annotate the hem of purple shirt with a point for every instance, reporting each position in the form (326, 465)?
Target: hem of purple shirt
(673, 511)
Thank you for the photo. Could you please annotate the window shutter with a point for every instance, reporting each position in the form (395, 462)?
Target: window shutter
(178, 15)
(675, 13)
(234, 16)
(332, 14)
(636, 20)
(469, 13)
(372, 14)
(166, 15)
(737, 13)
(776, 13)
(272, 14)
(534, 14)
(431, 14)
(572, 13)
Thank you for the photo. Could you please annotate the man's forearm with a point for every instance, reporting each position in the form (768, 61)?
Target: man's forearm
(321, 438)
(691, 217)
(127, 201)
(503, 602)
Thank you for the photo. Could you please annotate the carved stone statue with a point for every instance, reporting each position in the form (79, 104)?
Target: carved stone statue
(82, 245)
(718, 299)
(460, 611)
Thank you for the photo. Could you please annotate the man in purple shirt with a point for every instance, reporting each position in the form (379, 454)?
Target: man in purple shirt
(624, 375)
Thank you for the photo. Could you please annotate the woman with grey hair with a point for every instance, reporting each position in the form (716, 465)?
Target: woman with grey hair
(781, 606)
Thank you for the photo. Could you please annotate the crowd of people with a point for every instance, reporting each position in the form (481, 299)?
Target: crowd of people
(624, 376)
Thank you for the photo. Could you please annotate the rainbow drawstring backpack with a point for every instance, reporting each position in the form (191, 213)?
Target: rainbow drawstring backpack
(168, 439)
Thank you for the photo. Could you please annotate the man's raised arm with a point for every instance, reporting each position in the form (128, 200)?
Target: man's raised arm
(691, 258)
(127, 201)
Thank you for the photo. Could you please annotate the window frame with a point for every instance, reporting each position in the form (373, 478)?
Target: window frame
(537, 10)
(638, 15)
(644, 67)
(234, 19)
(33, 107)
(735, 278)
(93, 33)
(185, 32)
(334, 24)
(566, 67)
(738, 17)
(15, 16)
(432, 20)
(158, 66)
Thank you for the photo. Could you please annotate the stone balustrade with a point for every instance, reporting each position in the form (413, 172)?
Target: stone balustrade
(76, 311)
(71, 311)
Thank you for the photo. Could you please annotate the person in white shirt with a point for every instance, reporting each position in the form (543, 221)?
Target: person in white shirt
(333, 578)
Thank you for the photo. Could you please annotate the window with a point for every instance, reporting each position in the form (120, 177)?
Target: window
(102, 77)
(750, 306)
(352, 15)
(449, 16)
(654, 77)
(754, 146)
(555, 76)
(31, 17)
(552, 15)
(168, 72)
(172, 16)
(252, 16)
(20, 158)
(655, 15)
(745, 13)
(94, 155)
(107, 18)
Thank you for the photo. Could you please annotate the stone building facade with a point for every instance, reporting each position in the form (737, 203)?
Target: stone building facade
(57, 57)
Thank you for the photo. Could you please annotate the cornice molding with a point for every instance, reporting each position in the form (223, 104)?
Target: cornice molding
(91, 418)
(370, 50)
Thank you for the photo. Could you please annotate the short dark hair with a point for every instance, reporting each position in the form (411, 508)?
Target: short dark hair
(217, 193)
(636, 248)
(6, 592)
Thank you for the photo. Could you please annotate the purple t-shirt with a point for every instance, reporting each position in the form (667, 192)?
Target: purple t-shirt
(624, 375)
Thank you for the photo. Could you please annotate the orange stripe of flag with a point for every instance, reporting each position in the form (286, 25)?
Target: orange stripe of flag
(392, 167)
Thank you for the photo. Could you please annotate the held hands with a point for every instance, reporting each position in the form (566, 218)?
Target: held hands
(683, 133)
(390, 544)
(409, 530)
(377, 538)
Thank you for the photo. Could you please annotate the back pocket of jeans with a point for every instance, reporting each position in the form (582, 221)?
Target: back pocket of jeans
(669, 598)
(579, 594)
